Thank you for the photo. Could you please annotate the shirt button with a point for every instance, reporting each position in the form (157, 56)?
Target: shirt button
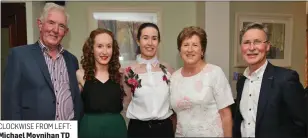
(55, 79)
(250, 95)
(57, 103)
(249, 109)
(248, 123)
(251, 81)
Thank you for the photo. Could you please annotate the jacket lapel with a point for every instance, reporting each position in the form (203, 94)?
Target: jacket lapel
(239, 89)
(71, 72)
(265, 92)
(38, 55)
(238, 116)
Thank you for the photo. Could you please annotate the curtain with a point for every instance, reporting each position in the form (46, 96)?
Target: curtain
(111, 25)
(125, 33)
(133, 28)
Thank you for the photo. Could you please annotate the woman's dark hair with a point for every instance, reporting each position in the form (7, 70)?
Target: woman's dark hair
(88, 61)
(141, 27)
(145, 25)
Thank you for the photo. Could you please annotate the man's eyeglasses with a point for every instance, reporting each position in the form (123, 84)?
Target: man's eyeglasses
(255, 43)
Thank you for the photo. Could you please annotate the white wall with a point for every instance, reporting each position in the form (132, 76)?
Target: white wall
(33, 10)
(217, 26)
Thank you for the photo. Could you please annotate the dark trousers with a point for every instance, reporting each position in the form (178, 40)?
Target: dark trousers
(152, 128)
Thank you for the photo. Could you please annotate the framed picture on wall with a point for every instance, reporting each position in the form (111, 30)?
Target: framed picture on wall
(124, 23)
(280, 36)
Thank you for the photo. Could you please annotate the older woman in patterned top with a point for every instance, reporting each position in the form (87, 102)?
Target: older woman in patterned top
(200, 92)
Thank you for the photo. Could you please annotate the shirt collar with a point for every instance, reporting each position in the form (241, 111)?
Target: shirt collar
(257, 73)
(154, 61)
(46, 49)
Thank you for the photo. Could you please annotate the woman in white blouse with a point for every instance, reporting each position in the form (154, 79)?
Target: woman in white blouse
(149, 108)
(200, 92)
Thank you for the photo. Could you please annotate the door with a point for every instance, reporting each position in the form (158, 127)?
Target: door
(13, 29)
(13, 18)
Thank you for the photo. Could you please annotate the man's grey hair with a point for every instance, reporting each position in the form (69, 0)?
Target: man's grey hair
(254, 25)
(52, 6)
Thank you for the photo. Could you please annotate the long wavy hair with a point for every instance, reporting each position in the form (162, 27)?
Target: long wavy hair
(88, 61)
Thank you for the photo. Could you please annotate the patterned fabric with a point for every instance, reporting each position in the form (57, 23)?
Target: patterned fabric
(60, 80)
(197, 100)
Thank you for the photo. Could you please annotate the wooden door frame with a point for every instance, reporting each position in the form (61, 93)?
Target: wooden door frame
(15, 21)
(306, 60)
(11, 37)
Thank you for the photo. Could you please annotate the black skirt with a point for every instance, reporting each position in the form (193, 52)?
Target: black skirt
(152, 128)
